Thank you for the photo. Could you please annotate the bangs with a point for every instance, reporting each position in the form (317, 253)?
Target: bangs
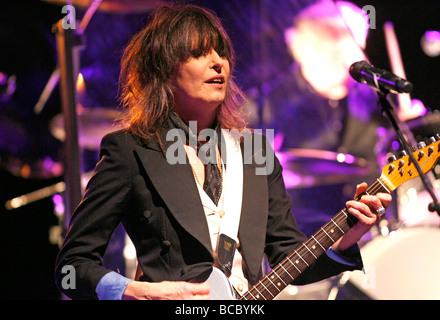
(196, 34)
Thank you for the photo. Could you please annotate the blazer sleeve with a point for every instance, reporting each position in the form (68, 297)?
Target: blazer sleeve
(283, 235)
(95, 219)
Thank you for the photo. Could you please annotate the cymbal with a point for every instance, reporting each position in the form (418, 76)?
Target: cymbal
(93, 125)
(304, 168)
(115, 6)
(421, 127)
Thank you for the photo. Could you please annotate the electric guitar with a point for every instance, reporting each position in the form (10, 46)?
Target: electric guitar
(393, 175)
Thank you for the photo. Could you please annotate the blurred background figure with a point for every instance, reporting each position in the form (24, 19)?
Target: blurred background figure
(324, 121)
(317, 105)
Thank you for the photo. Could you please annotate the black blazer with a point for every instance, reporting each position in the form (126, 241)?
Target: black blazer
(160, 208)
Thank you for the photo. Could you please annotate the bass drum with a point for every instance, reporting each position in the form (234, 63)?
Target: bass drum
(405, 265)
(413, 202)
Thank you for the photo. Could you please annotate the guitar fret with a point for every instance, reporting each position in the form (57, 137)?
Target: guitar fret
(286, 271)
(337, 226)
(310, 252)
(293, 264)
(273, 284)
(285, 284)
(266, 289)
(328, 235)
(383, 185)
(301, 257)
(253, 297)
(344, 211)
(259, 294)
(318, 243)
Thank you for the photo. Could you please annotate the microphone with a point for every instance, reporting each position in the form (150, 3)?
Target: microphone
(379, 79)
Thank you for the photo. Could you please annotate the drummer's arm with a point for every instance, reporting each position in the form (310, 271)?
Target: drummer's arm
(412, 109)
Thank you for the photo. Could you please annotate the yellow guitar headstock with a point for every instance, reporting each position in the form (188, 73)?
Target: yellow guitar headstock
(401, 170)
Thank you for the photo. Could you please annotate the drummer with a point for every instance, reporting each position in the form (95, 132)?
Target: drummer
(318, 105)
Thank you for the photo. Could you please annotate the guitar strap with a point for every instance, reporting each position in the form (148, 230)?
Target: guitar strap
(233, 196)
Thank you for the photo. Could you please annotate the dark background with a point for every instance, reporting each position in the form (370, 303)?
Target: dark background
(27, 50)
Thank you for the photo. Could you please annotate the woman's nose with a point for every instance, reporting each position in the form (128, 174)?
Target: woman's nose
(217, 61)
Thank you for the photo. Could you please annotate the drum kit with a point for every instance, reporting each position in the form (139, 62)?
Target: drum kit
(33, 152)
(93, 124)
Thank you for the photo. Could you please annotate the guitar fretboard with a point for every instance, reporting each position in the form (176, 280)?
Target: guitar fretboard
(303, 256)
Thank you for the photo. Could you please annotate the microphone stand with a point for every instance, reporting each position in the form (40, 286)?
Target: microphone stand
(388, 110)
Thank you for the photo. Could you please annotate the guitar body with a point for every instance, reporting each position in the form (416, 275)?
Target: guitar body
(221, 289)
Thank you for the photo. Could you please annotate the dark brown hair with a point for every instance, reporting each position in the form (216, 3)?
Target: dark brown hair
(173, 35)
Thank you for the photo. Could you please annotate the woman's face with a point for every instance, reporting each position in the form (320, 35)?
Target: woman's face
(201, 84)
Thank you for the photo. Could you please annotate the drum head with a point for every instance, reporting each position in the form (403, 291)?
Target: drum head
(404, 265)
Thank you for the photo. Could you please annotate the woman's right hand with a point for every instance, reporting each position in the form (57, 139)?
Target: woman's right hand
(166, 290)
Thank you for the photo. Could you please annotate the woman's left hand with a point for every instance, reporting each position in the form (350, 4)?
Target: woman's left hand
(368, 210)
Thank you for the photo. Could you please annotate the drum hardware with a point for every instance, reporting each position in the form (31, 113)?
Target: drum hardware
(25, 199)
(42, 193)
(114, 6)
(47, 91)
(93, 124)
(69, 44)
(304, 168)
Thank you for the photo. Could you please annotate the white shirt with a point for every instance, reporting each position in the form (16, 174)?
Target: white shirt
(212, 214)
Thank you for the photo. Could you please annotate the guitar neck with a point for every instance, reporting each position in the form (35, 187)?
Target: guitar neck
(294, 264)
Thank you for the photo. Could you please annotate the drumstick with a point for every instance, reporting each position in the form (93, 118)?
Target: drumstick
(396, 64)
(404, 99)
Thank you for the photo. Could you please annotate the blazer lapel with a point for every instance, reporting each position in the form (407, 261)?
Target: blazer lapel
(175, 184)
(252, 229)
(253, 219)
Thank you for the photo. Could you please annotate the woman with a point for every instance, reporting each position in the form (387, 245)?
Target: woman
(177, 72)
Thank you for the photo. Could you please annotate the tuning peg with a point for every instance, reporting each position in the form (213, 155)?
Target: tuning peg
(421, 145)
(392, 159)
(432, 140)
(402, 153)
(437, 137)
